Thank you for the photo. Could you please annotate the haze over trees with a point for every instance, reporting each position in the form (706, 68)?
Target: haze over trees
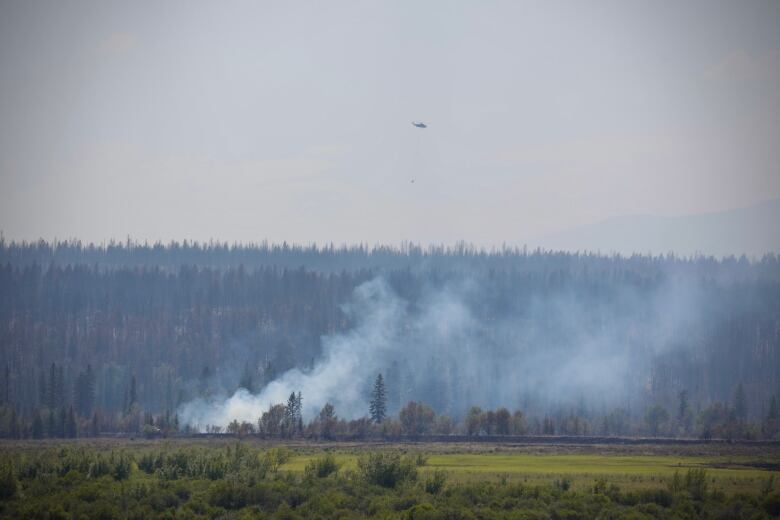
(121, 337)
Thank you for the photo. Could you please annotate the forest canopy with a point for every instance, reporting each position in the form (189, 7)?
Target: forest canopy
(94, 332)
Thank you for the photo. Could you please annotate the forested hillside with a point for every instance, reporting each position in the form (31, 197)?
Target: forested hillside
(104, 338)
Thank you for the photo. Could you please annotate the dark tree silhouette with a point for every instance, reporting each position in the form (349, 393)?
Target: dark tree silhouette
(378, 406)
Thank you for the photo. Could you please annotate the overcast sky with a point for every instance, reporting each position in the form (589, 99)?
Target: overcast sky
(292, 121)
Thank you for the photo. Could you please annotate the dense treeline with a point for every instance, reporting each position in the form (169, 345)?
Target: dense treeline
(331, 258)
(212, 482)
(112, 338)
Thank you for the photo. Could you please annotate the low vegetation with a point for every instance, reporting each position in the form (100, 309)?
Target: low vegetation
(247, 480)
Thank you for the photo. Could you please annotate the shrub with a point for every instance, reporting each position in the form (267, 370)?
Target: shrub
(275, 457)
(772, 504)
(611, 490)
(696, 482)
(122, 467)
(420, 459)
(662, 497)
(322, 467)
(768, 485)
(435, 482)
(147, 463)
(386, 469)
(228, 495)
(8, 484)
(98, 468)
(420, 512)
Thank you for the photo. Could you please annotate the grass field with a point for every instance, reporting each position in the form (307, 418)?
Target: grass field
(737, 468)
(226, 477)
(732, 470)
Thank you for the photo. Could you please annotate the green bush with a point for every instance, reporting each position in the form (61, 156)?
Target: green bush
(694, 482)
(275, 457)
(435, 482)
(8, 484)
(322, 467)
(610, 490)
(420, 459)
(771, 504)
(662, 497)
(123, 466)
(386, 469)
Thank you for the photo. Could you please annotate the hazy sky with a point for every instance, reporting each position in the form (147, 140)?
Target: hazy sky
(291, 121)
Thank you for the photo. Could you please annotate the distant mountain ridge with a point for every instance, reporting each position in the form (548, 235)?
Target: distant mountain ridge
(753, 231)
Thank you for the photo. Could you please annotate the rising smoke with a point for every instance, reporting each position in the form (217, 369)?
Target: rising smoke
(456, 345)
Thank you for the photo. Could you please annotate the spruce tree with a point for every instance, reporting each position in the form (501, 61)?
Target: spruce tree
(51, 425)
(770, 424)
(60, 388)
(6, 395)
(327, 421)
(89, 391)
(70, 424)
(682, 408)
(61, 424)
(43, 390)
(740, 403)
(772, 414)
(85, 392)
(37, 426)
(133, 394)
(378, 407)
(291, 414)
(247, 379)
(51, 397)
(299, 412)
(13, 426)
(95, 426)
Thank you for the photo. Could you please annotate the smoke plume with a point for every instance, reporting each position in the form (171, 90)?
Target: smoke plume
(456, 345)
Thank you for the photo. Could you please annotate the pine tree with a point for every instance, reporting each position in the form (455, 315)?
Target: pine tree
(327, 420)
(70, 424)
(5, 397)
(168, 392)
(378, 407)
(95, 425)
(682, 409)
(203, 382)
(62, 423)
(133, 394)
(771, 424)
(740, 403)
(299, 412)
(247, 379)
(43, 391)
(37, 426)
(772, 413)
(85, 392)
(51, 397)
(59, 394)
(51, 427)
(291, 414)
(14, 424)
(89, 391)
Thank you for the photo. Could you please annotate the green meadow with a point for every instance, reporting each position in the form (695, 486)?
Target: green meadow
(227, 477)
(733, 469)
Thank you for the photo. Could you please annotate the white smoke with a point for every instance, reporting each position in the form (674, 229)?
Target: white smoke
(349, 361)
(556, 348)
